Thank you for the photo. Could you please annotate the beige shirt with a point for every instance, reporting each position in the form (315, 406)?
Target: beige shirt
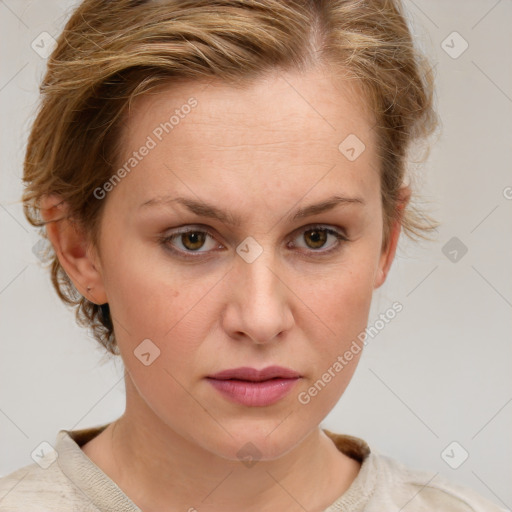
(67, 480)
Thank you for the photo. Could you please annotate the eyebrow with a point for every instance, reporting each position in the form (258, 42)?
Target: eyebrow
(204, 209)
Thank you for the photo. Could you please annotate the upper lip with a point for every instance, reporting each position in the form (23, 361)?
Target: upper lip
(251, 374)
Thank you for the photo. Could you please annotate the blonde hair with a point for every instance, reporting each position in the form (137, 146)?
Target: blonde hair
(111, 52)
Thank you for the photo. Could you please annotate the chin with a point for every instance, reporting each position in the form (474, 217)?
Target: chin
(252, 441)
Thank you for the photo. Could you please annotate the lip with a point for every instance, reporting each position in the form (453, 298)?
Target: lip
(251, 374)
(255, 388)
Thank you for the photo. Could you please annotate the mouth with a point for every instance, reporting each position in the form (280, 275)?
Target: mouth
(255, 388)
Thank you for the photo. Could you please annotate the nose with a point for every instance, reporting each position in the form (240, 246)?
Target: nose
(259, 305)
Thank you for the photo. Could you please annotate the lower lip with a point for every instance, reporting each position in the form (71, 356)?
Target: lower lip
(254, 394)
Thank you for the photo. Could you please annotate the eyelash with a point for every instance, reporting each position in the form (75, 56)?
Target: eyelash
(165, 241)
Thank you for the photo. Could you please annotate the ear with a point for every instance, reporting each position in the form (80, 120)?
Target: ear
(77, 257)
(388, 253)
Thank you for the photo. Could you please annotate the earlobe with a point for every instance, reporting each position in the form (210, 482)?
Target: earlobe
(77, 257)
(379, 278)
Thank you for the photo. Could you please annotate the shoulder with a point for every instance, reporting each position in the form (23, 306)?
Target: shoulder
(35, 489)
(420, 491)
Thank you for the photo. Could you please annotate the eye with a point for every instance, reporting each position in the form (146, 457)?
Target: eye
(317, 237)
(191, 240)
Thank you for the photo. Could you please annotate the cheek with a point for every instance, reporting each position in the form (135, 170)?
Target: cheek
(145, 295)
(342, 299)
(153, 298)
(343, 305)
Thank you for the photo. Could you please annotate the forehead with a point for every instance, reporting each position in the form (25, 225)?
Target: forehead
(287, 101)
(278, 130)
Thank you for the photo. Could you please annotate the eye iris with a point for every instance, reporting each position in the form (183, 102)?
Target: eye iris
(318, 236)
(195, 238)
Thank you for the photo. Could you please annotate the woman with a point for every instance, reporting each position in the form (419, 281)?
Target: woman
(223, 185)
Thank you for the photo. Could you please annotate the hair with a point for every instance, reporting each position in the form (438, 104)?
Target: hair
(111, 52)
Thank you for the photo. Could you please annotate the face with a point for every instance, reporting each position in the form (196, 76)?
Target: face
(211, 250)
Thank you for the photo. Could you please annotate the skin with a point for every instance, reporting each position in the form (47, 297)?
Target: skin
(260, 152)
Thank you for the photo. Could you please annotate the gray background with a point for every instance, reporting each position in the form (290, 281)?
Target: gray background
(440, 372)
